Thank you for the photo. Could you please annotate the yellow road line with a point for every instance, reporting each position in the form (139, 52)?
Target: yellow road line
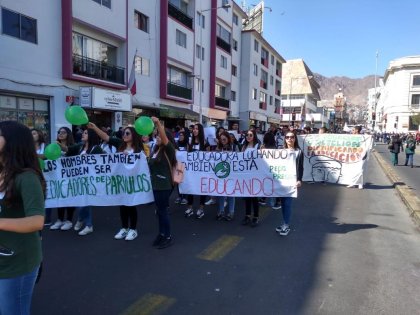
(150, 304)
(220, 248)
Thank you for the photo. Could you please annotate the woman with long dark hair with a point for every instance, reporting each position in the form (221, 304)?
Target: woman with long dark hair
(131, 143)
(39, 141)
(291, 144)
(198, 143)
(161, 162)
(91, 144)
(251, 142)
(22, 194)
(182, 145)
(64, 140)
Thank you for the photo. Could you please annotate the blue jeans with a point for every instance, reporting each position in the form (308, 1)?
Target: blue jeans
(162, 205)
(85, 215)
(286, 207)
(16, 294)
(394, 158)
(409, 158)
(221, 205)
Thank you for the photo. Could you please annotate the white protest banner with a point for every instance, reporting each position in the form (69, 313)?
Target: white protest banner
(98, 180)
(210, 135)
(253, 173)
(335, 158)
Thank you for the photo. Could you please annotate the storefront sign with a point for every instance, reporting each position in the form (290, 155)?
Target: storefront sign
(85, 96)
(273, 120)
(7, 102)
(111, 100)
(26, 103)
(257, 116)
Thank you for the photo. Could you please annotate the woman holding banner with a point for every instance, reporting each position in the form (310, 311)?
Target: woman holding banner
(182, 145)
(291, 144)
(22, 193)
(161, 162)
(197, 144)
(64, 140)
(91, 144)
(225, 145)
(251, 142)
(130, 143)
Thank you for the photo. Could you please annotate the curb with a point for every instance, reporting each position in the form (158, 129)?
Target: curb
(407, 195)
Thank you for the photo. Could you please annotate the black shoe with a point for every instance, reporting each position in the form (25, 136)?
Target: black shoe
(166, 242)
(228, 217)
(246, 220)
(219, 217)
(254, 222)
(158, 240)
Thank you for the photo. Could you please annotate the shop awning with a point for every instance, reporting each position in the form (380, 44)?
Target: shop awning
(214, 113)
(169, 111)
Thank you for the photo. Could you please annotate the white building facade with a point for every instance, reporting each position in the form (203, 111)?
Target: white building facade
(399, 98)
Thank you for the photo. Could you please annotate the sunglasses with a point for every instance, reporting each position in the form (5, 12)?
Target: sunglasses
(127, 133)
(249, 135)
(290, 137)
(62, 132)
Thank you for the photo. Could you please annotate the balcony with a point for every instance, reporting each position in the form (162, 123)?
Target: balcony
(98, 70)
(222, 44)
(278, 72)
(179, 91)
(277, 110)
(221, 102)
(278, 92)
(180, 16)
(263, 105)
(263, 84)
(264, 62)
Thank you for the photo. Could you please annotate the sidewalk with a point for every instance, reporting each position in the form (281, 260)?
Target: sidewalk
(407, 194)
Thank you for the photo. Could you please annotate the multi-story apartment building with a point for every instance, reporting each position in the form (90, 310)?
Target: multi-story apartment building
(261, 81)
(399, 99)
(300, 95)
(186, 59)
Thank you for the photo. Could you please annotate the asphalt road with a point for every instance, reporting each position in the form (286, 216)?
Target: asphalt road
(350, 251)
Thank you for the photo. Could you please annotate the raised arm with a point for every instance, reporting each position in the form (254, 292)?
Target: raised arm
(162, 134)
(103, 135)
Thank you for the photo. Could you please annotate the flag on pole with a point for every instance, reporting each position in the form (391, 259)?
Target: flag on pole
(132, 80)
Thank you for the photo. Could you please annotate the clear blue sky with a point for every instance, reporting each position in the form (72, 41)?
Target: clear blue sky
(341, 37)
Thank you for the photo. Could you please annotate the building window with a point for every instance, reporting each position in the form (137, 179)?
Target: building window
(263, 97)
(254, 94)
(142, 66)
(234, 70)
(256, 45)
(255, 71)
(182, 5)
(271, 100)
(19, 26)
(199, 85)
(220, 91)
(199, 52)
(416, 80)
(223, 33)
(271, 80)
(201, 20)
(90, 48)
(235, 19)
(105, 3)
(181, 39)
(225, 2)
(233, 96)
(235, 45)
(223, 62)
(141, 21)
(272, 60)
(415, 99)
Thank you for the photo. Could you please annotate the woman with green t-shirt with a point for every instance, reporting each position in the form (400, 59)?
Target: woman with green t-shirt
(22, 209)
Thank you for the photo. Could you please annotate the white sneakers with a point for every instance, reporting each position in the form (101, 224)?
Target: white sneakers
(127, 234)
(78, 225)
(209, 202)
(86, 230)
(60, 225)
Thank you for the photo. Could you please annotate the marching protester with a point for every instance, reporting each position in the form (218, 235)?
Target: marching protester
(130, 143)
(64, 140)
(91, 144)
(161, 162)
(22, 194)
(356, 131)
(225, 145)
(182, 145)
(251, 142)
(291, 144)
(410, 149)
(197, 144)
(39, 140)
(395, 147)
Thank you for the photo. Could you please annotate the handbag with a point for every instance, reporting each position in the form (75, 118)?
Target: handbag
(177, 171)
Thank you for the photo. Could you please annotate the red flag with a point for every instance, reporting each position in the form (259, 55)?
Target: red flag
(132, 81)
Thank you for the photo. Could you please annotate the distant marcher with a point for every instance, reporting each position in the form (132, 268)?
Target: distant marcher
(410, 149)
(395, 147)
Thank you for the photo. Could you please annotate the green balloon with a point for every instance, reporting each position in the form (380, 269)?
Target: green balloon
(144, 125)
(41, 164)
(76, 115)
(52, 151)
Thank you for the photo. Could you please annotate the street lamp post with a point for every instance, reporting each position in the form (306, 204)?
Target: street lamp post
(374, 104)
(225, 6)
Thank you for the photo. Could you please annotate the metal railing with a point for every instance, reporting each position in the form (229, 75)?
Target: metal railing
(177, 14)
(98, 70)
(179, 91)
(222, 44)
(221, 102)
